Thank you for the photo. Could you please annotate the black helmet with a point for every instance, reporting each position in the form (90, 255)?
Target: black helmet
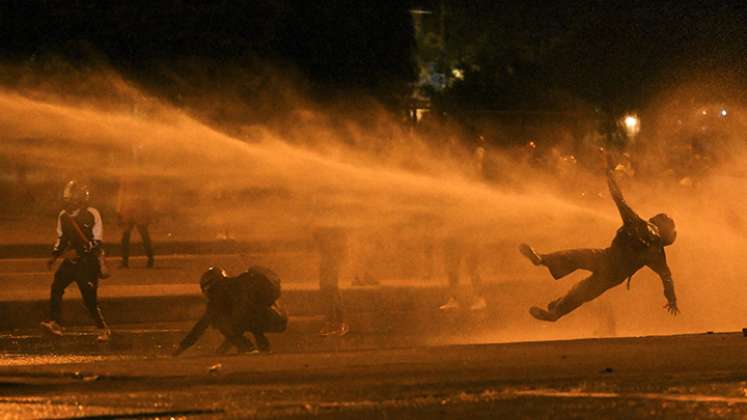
(210, 277)
(75, 195)
(666, 227)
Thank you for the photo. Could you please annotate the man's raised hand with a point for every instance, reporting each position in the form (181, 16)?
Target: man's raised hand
(672, 308)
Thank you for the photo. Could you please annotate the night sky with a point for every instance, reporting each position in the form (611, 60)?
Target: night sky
(610, 53)
(336, 44)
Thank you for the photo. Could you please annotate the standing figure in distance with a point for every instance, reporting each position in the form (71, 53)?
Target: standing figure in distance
(456, 250)
(637, 243)
(79, 237)
(331, 242)
(134, 210)
(235, 305)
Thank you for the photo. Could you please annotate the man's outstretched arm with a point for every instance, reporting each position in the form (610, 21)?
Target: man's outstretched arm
(194, 334)
(659, 265)
(628, 215)
(671, 305)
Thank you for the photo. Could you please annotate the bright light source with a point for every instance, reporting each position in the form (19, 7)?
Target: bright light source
(631, 122)
(632, 125)
(458, 74)
(724, 113)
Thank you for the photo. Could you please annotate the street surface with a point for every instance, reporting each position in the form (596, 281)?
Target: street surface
(402, 359)
(372, 376)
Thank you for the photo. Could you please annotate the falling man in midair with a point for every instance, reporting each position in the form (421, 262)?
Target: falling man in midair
(636, 244)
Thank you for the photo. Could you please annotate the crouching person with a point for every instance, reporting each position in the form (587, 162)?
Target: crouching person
(235, 305)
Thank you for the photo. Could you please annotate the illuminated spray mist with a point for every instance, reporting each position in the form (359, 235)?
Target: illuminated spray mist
(264, 186)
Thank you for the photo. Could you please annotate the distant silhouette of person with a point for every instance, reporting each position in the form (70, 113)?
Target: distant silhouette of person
(459, 249)
(134, 210)
(331, 243)
(636, 244)
(365, 246)
(479, 156)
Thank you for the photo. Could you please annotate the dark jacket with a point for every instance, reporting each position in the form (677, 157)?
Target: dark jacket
(89, 222)
(637, 243)
(238, 304)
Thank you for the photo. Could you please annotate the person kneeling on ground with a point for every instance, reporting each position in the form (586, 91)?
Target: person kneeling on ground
(247, 302)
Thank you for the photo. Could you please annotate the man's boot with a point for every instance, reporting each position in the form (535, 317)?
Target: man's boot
(542, 314)
(528, 252)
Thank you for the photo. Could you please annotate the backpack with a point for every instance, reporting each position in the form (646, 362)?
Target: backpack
(265, 282)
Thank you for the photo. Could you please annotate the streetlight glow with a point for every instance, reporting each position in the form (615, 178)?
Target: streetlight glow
(631, 122)
(632, 125)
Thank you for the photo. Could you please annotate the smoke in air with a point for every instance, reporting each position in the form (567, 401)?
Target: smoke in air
(281, 176)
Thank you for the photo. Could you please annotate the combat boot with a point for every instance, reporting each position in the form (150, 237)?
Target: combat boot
(542, 314)
(529, 252)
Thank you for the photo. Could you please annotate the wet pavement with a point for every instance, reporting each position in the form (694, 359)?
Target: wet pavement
(169, 269)
(371, 376)
(403, 358)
